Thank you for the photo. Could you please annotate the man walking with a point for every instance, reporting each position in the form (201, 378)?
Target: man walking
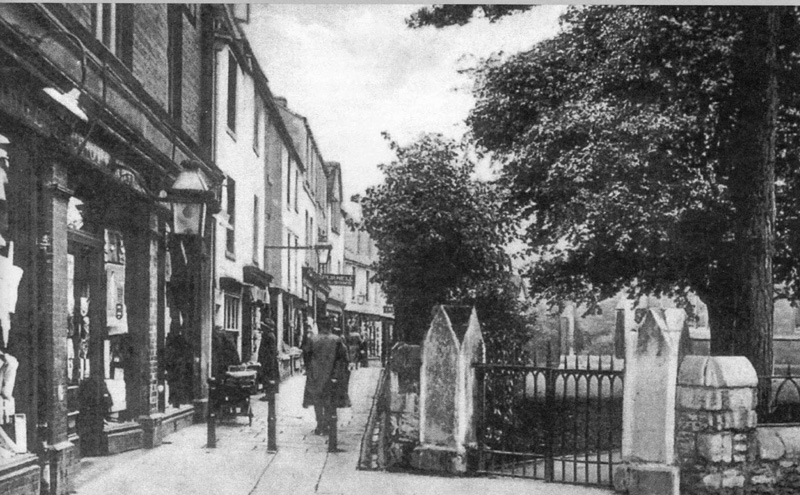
(327, 375)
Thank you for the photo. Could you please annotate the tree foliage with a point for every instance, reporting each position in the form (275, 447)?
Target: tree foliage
(457, 15)
(439, 235)
(643, 144)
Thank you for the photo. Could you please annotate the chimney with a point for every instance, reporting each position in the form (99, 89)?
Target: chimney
(280, 100)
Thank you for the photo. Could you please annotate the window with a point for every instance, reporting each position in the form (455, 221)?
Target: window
(256, 124)
(113, 26)
(175, 61)
(232, 304)
(353, 288)
(190, 9)
(230, 241)
(256, 229)
(336, 216)
(307, 236)
(366, 291)
(103, 20)
(267, 161)
(289, 262)
(124, 35)
(288, 182)
(296, 264)
(296, 182)
(233, 73)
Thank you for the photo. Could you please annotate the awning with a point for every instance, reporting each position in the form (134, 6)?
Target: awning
(253, 275)
(257, 294)
(229, 284)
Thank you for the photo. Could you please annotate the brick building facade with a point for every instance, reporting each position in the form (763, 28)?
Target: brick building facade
(85, 226)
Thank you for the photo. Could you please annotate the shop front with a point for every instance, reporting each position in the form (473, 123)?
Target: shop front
(84, 309)
(289, 313)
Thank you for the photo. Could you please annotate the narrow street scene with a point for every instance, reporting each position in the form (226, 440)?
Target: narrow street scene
(242, 464)
(399, 248)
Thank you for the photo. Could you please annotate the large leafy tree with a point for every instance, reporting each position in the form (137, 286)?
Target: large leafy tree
(439, 236)
(644, 145)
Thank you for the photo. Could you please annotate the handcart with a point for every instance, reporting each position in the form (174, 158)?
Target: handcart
(232, 392)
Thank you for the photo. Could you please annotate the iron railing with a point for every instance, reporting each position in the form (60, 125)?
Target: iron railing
(558, 421)
(783, 390)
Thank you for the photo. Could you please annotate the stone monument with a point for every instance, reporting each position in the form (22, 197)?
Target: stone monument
(447, 384)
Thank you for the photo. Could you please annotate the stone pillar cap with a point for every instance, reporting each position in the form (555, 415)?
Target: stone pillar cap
(717, 371)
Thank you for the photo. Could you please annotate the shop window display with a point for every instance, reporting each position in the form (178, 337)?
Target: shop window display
(10, 278)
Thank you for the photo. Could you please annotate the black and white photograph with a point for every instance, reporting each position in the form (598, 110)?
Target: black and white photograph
(399, 249)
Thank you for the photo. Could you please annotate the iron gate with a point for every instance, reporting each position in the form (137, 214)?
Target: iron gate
(559, 422)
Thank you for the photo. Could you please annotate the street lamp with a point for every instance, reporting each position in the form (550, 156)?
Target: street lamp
(323, 253)
(188, 199)
(71, 99)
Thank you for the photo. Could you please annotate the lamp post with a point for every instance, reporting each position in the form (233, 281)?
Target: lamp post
(189, 200)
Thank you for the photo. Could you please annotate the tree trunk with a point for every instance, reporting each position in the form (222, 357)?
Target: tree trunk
(741, 314)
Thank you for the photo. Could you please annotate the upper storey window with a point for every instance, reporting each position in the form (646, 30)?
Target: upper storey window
(113, 26)
(233, 73)
(175, 14)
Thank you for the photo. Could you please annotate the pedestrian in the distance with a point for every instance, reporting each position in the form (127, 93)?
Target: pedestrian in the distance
(268, 359)
(327, 375)
(363, 354)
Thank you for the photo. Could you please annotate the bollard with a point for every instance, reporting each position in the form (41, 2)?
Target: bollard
(212, 430)
(333, 434)
(272, 441)
(211, 423)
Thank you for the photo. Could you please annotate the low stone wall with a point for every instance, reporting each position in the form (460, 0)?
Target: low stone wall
(721, 449)
(777, 465)
(401, 416)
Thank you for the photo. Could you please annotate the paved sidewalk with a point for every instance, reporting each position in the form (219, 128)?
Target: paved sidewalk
(241, 465)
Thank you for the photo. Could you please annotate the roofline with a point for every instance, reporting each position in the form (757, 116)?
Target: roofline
(262, 83)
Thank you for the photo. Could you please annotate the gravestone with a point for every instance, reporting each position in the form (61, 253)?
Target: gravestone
(447, 383)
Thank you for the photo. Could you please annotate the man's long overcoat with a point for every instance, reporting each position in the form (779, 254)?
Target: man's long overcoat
(326, 359)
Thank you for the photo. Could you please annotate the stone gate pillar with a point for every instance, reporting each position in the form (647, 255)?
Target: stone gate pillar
(648, 421)
(716, 431)
(447, 381)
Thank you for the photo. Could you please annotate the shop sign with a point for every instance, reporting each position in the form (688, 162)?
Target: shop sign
(388, 309)
(337, 279)
(91, 151)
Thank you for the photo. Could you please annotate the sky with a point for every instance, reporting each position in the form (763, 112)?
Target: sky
(355, 71)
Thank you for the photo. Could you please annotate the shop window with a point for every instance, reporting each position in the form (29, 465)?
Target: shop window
(231, 312)
(233, 73)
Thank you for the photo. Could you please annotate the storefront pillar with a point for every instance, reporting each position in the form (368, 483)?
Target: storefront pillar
(59, 455)
(279, 317)
(143, 296)
(204, 301)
